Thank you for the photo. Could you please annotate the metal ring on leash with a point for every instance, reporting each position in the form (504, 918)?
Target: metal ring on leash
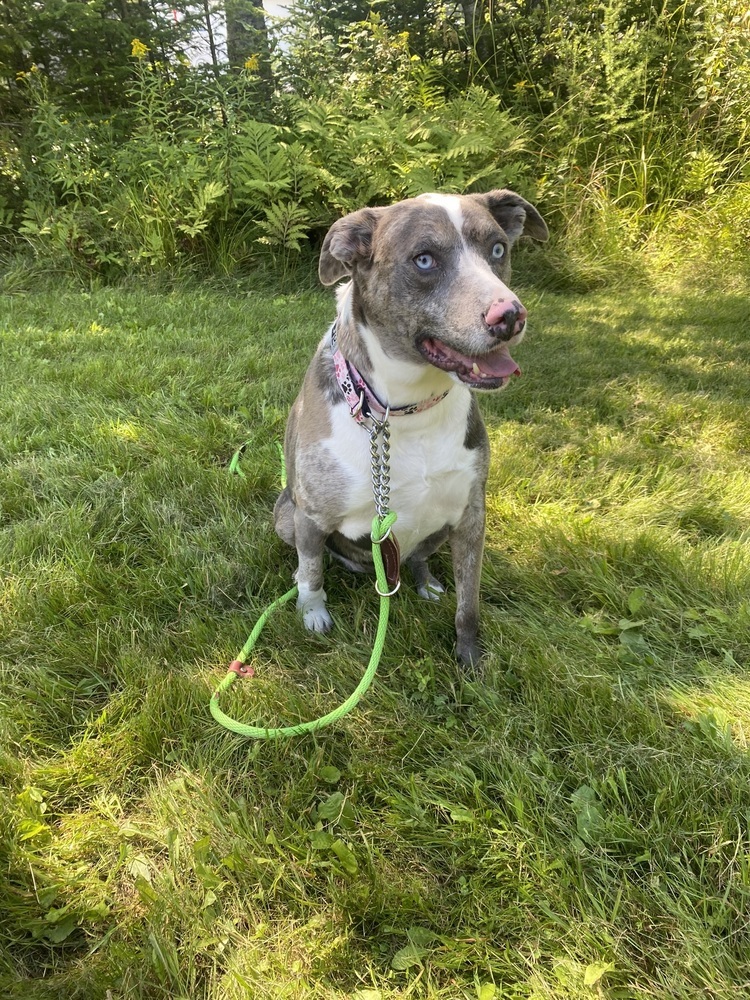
(379, 541)
(390, 592)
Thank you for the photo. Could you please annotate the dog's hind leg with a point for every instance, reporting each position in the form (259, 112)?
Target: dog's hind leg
(310, 541)
(427, 585)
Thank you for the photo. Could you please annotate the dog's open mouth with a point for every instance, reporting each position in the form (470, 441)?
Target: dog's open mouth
(482, 371)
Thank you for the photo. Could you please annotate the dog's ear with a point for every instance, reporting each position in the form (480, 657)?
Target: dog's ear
(516, 215)
(347, 241)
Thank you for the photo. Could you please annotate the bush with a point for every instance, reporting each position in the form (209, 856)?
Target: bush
(622, 122)
(196, 180)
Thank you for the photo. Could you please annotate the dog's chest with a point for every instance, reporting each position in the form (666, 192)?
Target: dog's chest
(431, 472)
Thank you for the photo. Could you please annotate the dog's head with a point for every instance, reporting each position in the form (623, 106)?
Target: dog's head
(430, 279)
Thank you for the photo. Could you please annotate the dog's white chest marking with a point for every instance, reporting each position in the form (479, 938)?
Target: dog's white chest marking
(431, 472)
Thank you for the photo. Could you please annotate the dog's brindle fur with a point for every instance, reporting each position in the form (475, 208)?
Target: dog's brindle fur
(390, 314)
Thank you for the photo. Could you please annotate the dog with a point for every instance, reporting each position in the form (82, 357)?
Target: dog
(425, 320)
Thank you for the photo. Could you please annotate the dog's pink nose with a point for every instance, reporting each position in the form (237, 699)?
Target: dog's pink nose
(506, 318)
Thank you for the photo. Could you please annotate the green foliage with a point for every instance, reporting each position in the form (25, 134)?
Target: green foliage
(183, 178)
(636, 112)
(84, 48)
(620, 119)
(423, 142)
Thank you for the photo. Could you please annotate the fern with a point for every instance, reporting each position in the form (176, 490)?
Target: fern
(285, 226)
(199, 215)
(465, 146)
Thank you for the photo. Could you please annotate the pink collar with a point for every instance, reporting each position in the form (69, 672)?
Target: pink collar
(360, 398)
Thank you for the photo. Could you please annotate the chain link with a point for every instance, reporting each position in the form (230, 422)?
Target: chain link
(380, 459)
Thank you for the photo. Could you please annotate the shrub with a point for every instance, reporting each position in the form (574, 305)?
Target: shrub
(622, 121)
(191, 176)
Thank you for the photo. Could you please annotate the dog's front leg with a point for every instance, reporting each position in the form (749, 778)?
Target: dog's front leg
(467, 547)
(310, 541)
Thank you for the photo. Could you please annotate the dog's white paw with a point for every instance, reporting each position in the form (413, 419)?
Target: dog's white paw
(312, 604)
(431, 589)
(317, 620)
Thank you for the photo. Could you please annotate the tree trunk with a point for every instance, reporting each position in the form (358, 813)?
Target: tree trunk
(478, 35)
(247, 41)
(211, 42)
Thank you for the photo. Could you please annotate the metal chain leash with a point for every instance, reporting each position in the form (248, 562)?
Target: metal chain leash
(380, 463)
(381, 537)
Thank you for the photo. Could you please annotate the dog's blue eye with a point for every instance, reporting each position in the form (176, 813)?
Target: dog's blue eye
(498, 251)
(425, 261)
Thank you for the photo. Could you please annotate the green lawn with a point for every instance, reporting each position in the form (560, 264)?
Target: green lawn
(575, 824)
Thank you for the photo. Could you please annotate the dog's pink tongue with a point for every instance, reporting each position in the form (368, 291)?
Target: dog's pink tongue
(495, 364)
(499, 363)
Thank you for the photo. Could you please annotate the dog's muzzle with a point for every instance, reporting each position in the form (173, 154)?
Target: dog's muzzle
(505, 319)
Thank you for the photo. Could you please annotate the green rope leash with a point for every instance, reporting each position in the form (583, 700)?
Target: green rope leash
(380, 531)
(235, 468)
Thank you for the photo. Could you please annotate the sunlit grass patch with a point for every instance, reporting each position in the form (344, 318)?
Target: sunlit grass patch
(719, 710)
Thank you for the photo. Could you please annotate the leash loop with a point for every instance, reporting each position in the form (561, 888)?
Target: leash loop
(379, 527)
(381, 530)
(379, 541)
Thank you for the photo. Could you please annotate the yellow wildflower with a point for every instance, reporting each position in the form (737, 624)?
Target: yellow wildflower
(252, 64)
(137, 49)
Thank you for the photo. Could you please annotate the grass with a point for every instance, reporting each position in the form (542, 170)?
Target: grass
(575, 824)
